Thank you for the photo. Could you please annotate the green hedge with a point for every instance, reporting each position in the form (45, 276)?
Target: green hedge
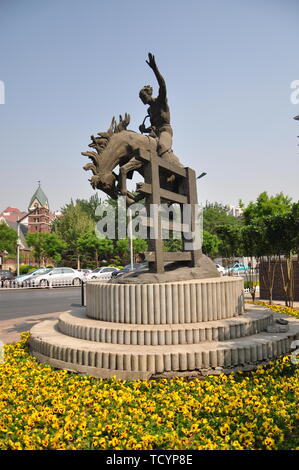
(27, 268)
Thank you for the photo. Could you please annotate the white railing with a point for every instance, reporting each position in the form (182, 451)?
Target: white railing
(247, 289)
(32, 284)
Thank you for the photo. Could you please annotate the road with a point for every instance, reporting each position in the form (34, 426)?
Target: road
(21, 309)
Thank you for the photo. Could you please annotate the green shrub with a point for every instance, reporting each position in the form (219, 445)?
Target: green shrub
(248, 284)
(27, 268)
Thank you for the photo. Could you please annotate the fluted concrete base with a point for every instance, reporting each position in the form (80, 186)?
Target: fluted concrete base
(137, 361)
(76, 324)
(198, 300)
(142, 331)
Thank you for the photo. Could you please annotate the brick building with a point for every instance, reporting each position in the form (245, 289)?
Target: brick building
(38, 220)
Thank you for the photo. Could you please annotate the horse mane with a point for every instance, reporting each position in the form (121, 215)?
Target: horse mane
(101, 142)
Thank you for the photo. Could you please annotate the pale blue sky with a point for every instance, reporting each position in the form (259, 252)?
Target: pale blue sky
(70, 65)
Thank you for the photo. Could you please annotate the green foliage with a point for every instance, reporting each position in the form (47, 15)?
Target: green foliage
(73, 225)
(140, 245)
(27, 268)
(215, 214)
(90, 206)
(267, 206)
(97, 248)
(8, 238)
(210, 244)
(271, 230)
(172, 244)
(46, 245)
(122, 249)
(272, 226)
(230, 236)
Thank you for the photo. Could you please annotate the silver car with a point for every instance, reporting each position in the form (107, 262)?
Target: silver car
(103, 274)
(60, 277)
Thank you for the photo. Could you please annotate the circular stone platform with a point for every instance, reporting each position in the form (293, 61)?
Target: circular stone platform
(142, 331)
(168, 303)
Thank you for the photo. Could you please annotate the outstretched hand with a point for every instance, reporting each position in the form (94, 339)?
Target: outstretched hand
(151, 61)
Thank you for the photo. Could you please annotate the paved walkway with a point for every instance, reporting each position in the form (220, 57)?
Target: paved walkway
(11, 329)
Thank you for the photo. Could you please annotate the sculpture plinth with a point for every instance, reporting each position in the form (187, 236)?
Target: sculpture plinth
(141, 331)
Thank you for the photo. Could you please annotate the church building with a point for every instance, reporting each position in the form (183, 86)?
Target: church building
(37, 219)
(39, 213)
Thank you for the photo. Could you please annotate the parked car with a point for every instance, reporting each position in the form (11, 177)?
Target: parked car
(220, 269)
(126, 269)
(60, 276)
(103, 273)
(29, 278)
(5, 277)
(237, 268)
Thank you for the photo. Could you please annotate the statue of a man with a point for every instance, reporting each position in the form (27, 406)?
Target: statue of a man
(158, 112)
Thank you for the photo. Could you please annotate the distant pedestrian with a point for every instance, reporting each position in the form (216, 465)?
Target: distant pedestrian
(140, 258)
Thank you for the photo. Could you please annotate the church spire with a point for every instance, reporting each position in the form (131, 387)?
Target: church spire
(39, 220)
(39, 199)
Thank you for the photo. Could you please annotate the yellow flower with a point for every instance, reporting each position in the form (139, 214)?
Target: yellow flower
(269, 443)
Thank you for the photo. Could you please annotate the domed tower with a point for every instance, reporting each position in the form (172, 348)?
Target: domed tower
(39, 220)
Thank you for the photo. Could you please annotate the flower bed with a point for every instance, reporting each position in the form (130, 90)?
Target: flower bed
(293, 312)
(43, 408)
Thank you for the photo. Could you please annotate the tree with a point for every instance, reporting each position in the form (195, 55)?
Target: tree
(270, 232)
(72, 225)
(89, 206)
(295, 222)
(97, 247)
(215, 214)
(46, 245)
(267, 206)
(230, 237)
(8, 239)
(122, 248)
(210, 244)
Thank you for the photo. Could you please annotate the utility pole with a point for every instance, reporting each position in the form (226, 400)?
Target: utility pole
(131, 238)
(18, 241)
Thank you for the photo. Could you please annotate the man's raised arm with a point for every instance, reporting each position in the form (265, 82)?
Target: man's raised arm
(152, 63)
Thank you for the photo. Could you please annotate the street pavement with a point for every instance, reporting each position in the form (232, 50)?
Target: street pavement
(21, 309)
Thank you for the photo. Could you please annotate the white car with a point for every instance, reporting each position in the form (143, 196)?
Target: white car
(220, 269)
(60, 277)
(29, 278)
(101, 274)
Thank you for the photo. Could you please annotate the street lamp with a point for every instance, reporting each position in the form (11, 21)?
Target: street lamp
(201, 175)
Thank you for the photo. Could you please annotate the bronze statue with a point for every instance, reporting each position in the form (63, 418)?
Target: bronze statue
(166, 181)
(120, 147)
(158, 112)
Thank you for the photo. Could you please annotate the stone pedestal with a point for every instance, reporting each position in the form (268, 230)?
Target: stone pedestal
(138, 331)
